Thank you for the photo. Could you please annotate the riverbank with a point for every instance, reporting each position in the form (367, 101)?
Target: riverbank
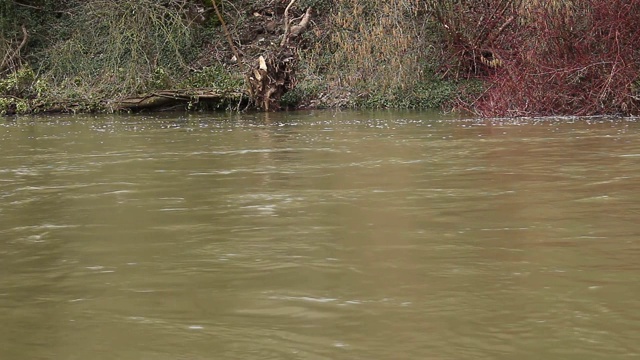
(488, 57)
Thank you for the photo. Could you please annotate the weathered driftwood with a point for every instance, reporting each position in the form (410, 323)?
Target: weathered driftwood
(167, 98)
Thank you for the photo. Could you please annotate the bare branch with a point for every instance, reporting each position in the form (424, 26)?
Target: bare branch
(286, 23)
(226, 33)
(15, 55)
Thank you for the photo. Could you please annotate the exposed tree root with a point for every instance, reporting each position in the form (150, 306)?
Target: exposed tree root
(273, 74)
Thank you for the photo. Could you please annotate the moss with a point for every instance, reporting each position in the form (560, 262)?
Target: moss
(305, 94)
(432, 94)
(215, 76)
(429, 94)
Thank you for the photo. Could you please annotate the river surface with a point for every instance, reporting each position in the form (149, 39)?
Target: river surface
(319, 235)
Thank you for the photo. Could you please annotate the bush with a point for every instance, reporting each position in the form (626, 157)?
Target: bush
(583, 62)
(122, 48)
(546, 58)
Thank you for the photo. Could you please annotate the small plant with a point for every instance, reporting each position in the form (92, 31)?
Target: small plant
(160, 79)
(19, 83)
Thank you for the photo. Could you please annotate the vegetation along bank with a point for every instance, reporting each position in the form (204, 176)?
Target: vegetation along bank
(488, 57)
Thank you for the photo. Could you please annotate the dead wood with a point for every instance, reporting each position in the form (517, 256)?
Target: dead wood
(12, 58)
(273, 73)
(167, 98)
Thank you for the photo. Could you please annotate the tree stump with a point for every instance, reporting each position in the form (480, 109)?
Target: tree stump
(272, 77)
(273, 74)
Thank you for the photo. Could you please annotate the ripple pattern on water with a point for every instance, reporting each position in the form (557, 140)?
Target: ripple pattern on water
(319, 236)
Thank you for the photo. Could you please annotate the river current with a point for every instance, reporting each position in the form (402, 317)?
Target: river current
(319, 235)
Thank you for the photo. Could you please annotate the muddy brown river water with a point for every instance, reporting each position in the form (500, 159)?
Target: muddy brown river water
(319, 235)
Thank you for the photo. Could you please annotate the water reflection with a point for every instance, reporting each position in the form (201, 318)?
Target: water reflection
(318, 235)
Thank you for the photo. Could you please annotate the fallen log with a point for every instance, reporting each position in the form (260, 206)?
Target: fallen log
(169, 98)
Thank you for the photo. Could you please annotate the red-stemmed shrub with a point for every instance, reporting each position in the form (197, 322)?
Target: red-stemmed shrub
(558, 58)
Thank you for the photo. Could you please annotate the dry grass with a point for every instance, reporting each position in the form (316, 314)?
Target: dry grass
(370, 49)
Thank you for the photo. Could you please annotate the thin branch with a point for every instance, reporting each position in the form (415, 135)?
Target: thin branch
(4, 96)
(28, 6)
(227, 34)
(286, 23)
(233, 47)
(10, 57)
